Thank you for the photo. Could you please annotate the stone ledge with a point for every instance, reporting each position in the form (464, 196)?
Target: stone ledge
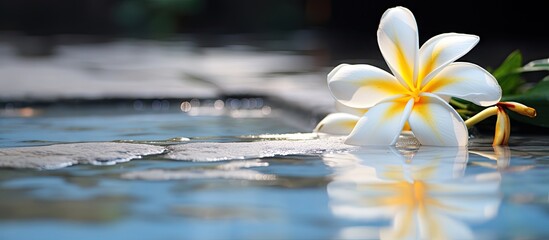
(214, 151)
(64, 155)
(110, 153)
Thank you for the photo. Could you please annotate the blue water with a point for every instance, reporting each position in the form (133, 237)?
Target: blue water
(479, 192)
(62, 125)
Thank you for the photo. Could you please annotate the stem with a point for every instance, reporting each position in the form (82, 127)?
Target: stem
(491, 111)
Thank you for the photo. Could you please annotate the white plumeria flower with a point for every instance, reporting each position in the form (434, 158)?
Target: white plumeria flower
(418, 91)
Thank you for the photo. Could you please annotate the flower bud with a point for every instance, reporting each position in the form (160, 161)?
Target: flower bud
(519, 108)
(503, 128)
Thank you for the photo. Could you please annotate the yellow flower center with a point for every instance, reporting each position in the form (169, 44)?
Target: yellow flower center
(415, 94)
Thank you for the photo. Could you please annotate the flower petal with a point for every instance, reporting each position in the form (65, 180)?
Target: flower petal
(441, 50)
(503, 128)
(337, 124)
(333, 72)
(466, 81)
(381, 125)
(434, 122)
(362, 86)
(397, 37)
(346, 109)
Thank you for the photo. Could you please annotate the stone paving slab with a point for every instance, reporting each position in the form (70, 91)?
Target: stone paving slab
(101, 71)
(147, 69)
(64, 155)
(210, 151)
(109, 153)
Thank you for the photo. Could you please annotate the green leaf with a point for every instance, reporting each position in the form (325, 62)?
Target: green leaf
(538, 98)
(536, 65)
(508, 74)
(540, 89)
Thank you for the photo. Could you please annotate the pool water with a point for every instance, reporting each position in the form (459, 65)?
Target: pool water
(155, 121)
(404, 192)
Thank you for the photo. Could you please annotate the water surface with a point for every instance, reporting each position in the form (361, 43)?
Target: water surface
(479, 192)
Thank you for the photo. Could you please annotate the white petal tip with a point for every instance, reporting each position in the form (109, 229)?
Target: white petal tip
(337, 68)
(337, 124)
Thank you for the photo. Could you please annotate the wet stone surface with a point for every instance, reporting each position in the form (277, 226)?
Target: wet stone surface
(109, 153)
(209, 151)
(160, 70)
(64, 155)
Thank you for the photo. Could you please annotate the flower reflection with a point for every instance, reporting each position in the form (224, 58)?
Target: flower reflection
(423, 192)
(502, 157)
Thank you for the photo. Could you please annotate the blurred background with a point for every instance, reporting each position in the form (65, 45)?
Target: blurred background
(344, 29)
